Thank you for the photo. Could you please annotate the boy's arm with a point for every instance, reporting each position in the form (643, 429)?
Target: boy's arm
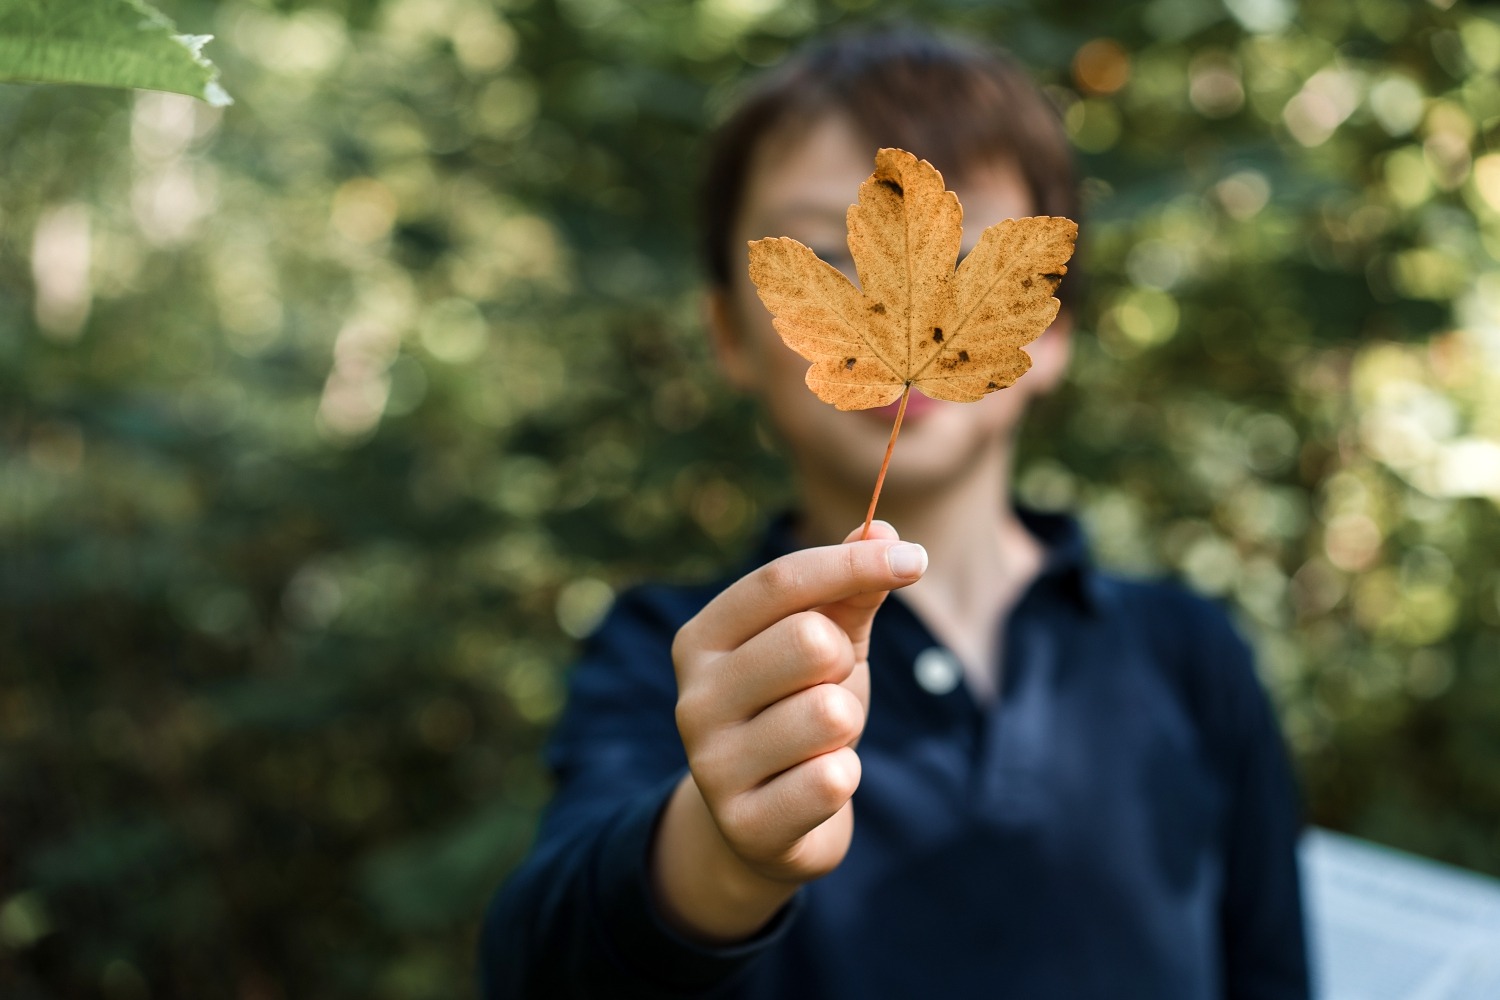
(768, 719)
(575, 919)
(1265, 952)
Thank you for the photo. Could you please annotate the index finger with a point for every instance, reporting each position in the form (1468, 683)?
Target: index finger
(802, 581)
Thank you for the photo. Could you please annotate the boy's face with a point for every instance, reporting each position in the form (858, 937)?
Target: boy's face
(800, 185)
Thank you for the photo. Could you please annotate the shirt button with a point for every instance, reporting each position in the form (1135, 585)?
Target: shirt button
(937, 670)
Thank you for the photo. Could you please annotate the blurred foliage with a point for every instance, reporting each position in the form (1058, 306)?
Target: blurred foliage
(327, 420)
(111, 43)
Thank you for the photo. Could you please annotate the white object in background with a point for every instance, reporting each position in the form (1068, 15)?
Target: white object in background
(1385, 925)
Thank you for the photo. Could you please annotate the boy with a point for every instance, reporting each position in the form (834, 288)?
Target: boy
(1021, 777)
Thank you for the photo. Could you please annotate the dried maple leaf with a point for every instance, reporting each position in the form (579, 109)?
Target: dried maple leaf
(919, 318)
(954, 334)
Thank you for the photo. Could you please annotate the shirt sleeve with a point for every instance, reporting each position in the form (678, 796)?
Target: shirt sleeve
(576, 919)
(1263, 934)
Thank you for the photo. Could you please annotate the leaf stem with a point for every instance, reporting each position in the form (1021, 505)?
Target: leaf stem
(880, 479)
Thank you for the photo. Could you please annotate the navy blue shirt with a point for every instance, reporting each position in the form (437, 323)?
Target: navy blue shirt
(1119, 824)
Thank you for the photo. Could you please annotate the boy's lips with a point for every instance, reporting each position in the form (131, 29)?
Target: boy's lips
(916, 405)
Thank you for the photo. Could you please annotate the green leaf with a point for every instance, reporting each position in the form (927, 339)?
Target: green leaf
(108, 43)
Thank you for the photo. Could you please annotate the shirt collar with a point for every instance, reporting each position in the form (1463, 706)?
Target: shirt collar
(1067, 551)
(1067, 557)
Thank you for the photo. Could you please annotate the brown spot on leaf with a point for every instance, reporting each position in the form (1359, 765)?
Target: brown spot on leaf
(963, 355)
(993, 385)
(848, 364)
(937, 334)
(1026, 282)
(878, 308)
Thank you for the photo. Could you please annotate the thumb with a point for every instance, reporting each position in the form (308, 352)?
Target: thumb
(878, 529)
(855, 614)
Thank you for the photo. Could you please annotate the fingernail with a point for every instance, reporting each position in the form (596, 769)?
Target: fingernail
(907, 560)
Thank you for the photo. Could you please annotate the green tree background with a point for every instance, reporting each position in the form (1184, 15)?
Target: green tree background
(328, 420)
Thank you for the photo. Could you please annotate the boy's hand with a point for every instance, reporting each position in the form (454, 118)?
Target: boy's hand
(773, 686)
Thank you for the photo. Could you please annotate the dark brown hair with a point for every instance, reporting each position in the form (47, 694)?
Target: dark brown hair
(949, 101)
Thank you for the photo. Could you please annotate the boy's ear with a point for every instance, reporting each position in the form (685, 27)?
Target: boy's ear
(730, 348)
(1049, 355)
